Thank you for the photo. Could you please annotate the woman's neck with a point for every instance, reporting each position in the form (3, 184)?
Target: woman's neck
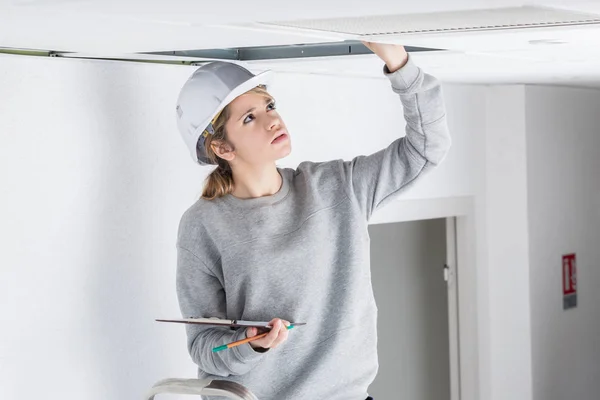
(253, 182)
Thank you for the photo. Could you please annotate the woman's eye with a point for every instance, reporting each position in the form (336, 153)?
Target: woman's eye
(270, 107)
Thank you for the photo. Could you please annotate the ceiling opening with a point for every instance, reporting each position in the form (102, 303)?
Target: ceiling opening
(331, 49)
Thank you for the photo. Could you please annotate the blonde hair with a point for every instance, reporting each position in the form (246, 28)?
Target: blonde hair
(220, 182)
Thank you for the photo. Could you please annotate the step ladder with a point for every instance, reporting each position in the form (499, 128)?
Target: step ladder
(206, 387)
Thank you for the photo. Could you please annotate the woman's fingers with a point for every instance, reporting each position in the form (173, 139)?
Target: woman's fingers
(271, 338)
(251, 332)
(282, 335)
(277, 335)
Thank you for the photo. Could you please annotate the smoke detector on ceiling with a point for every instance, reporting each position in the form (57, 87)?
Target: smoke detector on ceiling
(537, 42)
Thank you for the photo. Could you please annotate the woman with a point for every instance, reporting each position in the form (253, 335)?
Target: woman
(290, 245)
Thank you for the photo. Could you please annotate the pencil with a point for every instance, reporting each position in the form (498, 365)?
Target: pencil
(243, 341)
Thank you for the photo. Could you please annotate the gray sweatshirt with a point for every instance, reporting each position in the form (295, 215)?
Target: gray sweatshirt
(302, 255)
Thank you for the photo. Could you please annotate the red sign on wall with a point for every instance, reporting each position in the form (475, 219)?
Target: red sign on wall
(569, 273)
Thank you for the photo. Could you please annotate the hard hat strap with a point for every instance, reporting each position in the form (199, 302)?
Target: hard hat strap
(210, 130)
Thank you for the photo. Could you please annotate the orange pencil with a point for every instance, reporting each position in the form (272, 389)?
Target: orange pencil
(239, 342)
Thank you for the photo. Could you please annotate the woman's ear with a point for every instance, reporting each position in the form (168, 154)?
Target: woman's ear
(223, 150)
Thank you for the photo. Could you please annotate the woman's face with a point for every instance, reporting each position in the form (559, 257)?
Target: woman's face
(256, 130)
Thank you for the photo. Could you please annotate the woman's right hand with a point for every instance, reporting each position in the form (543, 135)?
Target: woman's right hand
(277, 335)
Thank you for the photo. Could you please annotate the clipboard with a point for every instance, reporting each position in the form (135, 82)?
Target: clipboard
(230, 323)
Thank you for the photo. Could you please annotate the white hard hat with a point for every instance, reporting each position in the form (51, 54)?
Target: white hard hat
(204, 95)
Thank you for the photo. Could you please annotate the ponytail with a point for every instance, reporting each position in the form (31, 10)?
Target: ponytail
(219, 183)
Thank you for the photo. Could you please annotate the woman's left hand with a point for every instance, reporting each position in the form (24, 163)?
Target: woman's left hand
(393, 55)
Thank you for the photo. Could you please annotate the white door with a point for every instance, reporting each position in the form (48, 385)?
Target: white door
(417, 310)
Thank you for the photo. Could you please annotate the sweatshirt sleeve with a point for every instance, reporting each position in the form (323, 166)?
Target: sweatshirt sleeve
(201, 294)
(375, 179)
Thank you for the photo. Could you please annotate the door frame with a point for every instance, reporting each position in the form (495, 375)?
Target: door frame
(459, 213)
(451, 276)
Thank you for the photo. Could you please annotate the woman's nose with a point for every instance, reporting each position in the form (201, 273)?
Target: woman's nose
(274, 122)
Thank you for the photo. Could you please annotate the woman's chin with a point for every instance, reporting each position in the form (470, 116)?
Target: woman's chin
(284, 152)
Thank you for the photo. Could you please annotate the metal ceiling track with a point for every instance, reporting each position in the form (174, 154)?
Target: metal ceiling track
(195, 57)
(262, 53)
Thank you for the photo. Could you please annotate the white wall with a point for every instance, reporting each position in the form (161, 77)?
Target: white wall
(93, 184)
(407, 262)
(563, 171)
(94, 180)
(503, 250)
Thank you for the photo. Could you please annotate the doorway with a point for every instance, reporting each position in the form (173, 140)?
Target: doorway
(413, 272)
